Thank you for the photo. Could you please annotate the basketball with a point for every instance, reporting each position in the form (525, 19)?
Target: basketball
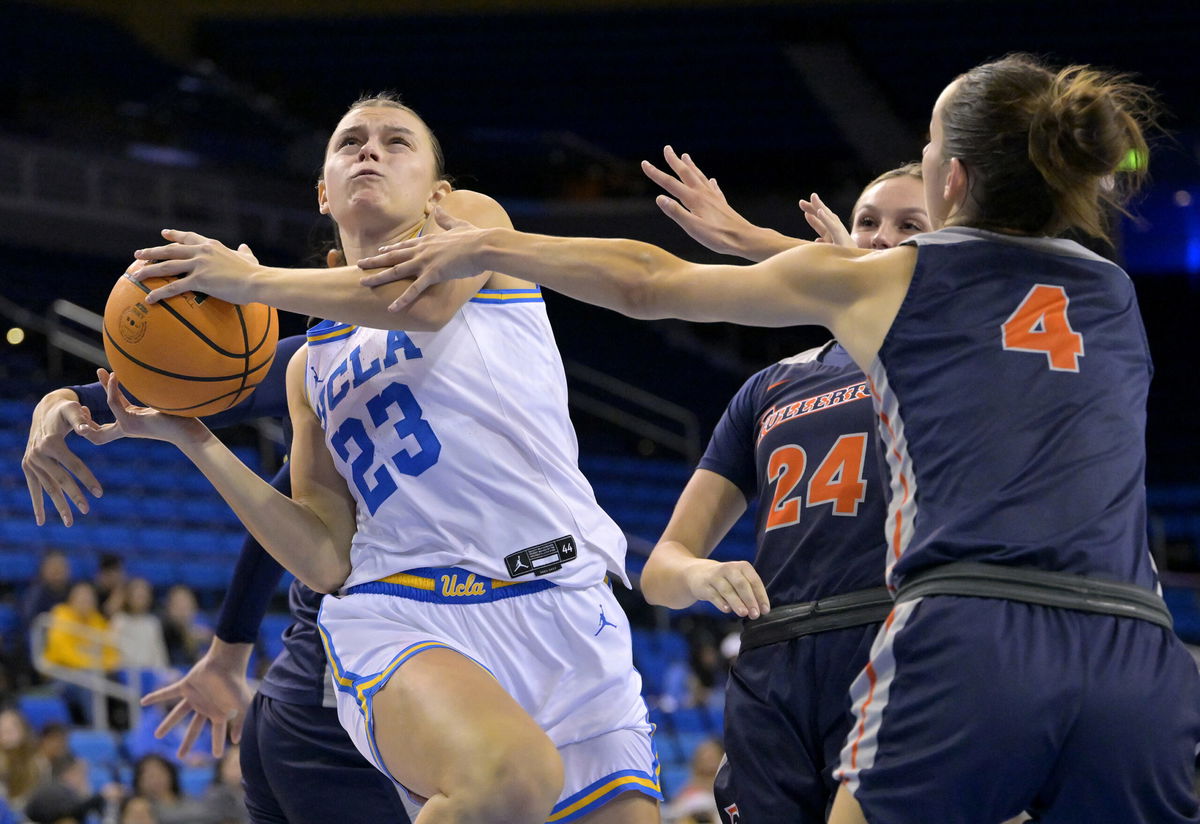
(189, 355)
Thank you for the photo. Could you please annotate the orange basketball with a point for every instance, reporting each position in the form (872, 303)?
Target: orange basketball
(191, 354)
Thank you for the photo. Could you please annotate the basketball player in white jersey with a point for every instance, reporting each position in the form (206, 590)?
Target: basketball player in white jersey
(480, 657)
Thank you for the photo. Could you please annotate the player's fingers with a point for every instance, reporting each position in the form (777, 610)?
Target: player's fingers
(835, 229)
(162, 694)
(177, 714)
(817, 225)
(105, 434)
(677, 212)
(172, 251)
(680, 166)
(731, 600)
(744, 591)
(413, 292)
(35, 494)
(174, 287)
(75, 464)
(46, 482)
(184, 236)
(448, 221)
(760, 591)
(383, 260)
(673, 186)
(693, 172)
(235, 727)
(219, 730)
(194, 728)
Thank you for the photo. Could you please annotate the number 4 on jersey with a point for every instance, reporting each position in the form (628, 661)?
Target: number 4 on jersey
(1040, 324)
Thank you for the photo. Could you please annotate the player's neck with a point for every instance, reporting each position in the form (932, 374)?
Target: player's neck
(367, 243)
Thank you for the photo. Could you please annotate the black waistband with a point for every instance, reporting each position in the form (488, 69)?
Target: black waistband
(864, 606)
(1038, 586)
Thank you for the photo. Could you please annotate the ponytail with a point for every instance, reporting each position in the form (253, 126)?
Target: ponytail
(1045, 151)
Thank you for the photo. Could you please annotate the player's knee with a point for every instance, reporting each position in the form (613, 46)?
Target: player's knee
(517, 784)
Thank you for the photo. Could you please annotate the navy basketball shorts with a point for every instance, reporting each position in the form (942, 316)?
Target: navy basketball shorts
(300, 767)
(787, 713)
(976, 709)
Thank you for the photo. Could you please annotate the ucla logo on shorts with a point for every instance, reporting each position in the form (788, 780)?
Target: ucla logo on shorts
(451, 588)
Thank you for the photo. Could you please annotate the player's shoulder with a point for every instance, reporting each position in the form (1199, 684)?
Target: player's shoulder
(475, 207)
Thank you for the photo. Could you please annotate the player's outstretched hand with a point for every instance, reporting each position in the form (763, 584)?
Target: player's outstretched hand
(137, 421)
(825, 223)
(213, 692)
(429, 259)
(198, 264)
(698, 205)
(49, 464)
(730, 586)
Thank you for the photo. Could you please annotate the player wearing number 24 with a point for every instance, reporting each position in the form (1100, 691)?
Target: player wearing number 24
(1009, 373)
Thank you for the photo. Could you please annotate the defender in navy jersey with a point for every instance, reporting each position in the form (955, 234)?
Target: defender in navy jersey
(1029, 663)
(298, 764)
(800, 437)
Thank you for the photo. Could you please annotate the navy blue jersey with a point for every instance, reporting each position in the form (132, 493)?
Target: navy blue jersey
(1011, 390)
(801, 437)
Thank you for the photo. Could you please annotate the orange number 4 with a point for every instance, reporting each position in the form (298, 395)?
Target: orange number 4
(1040, 324)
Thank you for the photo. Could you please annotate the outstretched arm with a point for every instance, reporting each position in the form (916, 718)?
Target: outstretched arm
(208, 266)
(852, 292)
(51, 467)
(309, 533)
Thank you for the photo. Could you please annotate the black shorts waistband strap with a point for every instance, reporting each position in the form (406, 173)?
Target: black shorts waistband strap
(1038, 586)
(864, 606)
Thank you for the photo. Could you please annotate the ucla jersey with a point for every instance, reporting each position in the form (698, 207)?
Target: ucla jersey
(800, 436)
(457, 447)
(1011, 391)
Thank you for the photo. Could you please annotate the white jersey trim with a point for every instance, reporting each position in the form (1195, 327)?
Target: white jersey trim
(1049, 245)
(902, 503)
(869, 696)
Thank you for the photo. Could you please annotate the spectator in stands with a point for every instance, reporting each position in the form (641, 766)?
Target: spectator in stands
(186, 638)
(694, 803)
(22, 767)
(79, 636)
(225, 799)
(139, 632)
(48, 589)
(53, 743)
(137, 809)
(68, 796)
(110, 584)
(157, 779)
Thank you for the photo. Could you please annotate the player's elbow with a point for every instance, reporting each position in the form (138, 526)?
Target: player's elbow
(326, 579)
(328, 573)
(641, 293)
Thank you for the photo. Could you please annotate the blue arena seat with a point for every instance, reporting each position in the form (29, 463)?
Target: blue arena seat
(97, 746)
(44, 708)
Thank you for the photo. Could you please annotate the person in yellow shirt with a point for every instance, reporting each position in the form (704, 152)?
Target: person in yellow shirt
(79, 635)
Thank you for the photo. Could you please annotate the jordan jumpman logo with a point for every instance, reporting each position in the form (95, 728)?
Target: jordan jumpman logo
(604, 622)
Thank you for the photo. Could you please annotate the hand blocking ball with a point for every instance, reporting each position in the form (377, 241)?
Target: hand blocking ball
(189, 355)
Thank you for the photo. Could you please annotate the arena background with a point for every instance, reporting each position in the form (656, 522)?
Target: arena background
(120, 118)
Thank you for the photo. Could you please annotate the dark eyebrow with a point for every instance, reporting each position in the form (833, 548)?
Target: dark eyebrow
(359, 128)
